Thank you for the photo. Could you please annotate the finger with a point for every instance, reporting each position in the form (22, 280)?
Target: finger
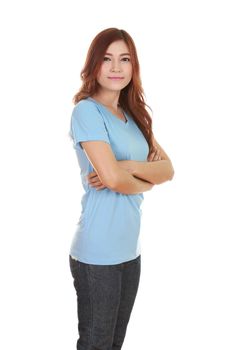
(151, 157)
(96, 182)
(91, 174)
(158, 155)
(92, 177)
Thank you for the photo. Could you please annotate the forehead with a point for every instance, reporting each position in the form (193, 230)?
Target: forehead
(118, 47)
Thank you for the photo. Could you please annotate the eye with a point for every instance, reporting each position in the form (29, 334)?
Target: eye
(123, 59)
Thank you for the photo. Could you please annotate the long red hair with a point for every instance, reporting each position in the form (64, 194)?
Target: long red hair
(131, 98)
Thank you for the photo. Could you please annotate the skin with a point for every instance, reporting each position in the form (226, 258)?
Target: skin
(116, 63)
(94, 180)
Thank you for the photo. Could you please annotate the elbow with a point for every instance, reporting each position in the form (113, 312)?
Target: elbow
(165, 176)
(171, 173)
(110, 182)
(112, 178)
(113, 184)
(116, 181)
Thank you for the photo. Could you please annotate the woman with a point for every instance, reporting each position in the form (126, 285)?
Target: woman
(119, 159)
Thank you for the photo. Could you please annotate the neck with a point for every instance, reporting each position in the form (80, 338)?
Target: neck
(109, 100)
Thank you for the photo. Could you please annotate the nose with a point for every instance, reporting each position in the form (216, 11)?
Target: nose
(115, 67)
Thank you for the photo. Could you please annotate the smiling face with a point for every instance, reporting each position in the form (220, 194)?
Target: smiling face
(116, 64)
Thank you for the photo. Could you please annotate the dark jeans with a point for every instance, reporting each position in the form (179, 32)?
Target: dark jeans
(105, 298)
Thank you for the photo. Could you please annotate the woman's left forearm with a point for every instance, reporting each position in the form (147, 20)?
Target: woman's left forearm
(155, 172)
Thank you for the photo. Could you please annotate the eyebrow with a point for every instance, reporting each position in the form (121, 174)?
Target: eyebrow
(122, 54)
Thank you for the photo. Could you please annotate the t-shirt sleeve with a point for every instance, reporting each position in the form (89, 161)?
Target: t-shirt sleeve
(87, 124)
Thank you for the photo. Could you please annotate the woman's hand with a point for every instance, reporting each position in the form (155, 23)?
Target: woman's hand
(94, 181)
(154, 156)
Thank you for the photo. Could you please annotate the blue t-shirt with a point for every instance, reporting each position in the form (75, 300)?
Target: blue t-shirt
(107, 232)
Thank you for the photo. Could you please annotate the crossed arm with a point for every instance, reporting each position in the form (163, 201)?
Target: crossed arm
(156, 170)
(136, 176)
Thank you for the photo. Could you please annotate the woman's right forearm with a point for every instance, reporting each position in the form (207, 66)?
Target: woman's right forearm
(129, 184)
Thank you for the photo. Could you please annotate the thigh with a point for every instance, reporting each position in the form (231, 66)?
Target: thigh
(105, 292)
(131, 276)
(98, 289)
(80, 276)
(130, 281)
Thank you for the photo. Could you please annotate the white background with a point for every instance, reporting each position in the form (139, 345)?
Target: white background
(185, 51)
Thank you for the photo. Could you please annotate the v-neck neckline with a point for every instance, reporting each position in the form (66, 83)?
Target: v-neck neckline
(125, 115)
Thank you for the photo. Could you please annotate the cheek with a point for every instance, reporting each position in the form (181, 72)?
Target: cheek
(129, 70)
(129, 73)
(102, 73)
(104, 68)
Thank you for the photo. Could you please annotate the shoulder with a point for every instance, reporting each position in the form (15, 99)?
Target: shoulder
(85, 104)
(85, 108)
(87, 113)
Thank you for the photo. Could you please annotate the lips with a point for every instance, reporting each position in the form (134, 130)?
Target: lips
(117, 78)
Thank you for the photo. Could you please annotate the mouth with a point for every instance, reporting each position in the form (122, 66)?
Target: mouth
(116, 78)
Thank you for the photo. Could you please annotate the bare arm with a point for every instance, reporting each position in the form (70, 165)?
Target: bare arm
(155, 172)
(143, 185)
(108, 171)
(128, 184)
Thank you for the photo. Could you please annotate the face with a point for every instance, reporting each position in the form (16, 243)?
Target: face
(116, 63)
